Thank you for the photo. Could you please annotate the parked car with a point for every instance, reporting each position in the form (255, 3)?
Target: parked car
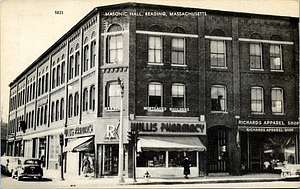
(8, 164)
(28, 168)
(291, 171)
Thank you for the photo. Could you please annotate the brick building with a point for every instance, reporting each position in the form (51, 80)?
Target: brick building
(219, 87)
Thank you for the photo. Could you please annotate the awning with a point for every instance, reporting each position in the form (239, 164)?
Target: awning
(85, 144)
(162, 143)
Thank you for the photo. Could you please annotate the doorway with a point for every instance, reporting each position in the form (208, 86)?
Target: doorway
(111, 154)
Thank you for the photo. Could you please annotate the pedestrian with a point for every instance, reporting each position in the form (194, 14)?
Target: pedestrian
(86, 166)
(186, 167)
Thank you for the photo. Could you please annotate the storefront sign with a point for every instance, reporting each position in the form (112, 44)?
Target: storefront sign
(268, 129)
(82, 130)
(267, 123)
(169, 128)
(111, 132)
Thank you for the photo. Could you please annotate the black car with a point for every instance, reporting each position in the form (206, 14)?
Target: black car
(28, 168)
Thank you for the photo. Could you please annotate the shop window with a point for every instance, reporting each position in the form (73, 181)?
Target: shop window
(113, 96)
(85, 100)
(155, 94)
(178, 51)
(277, 100)
(154, 49)
(178, 95)
(275, 57)
(92, 98)
(218, 54)
(257, 100)
(76, 104)
(151, 159)
(176, 158)
(255, 56)
(218, 98)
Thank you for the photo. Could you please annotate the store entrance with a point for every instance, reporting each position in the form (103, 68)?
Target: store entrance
(111, 154)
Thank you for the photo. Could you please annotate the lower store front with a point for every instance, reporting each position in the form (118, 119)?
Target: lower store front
(268, 148)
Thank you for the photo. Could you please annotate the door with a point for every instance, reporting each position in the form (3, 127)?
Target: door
(111, 153)
(217, 149)
(255, 157)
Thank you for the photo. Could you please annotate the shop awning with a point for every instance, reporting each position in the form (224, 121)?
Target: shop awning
(85, 144)
(161, 143)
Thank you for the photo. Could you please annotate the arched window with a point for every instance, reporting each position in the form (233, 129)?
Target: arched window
(42, 115)
(57, 111)
(46, 82)
(85, 100)
(93, 53)
(43, 84)
(77, 64)
(53, 78)
(92, 98)
(115, 45)
(70, 111)
(63, 72)
(155, 92)
(52, 111)
(218, 50)
(71, 67)
(76, 104)
(58, 76)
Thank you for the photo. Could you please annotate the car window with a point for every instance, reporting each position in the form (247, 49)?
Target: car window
(32, 161)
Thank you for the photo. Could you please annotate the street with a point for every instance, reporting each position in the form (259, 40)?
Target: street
(9, 183)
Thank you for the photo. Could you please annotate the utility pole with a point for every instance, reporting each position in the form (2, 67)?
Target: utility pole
(61, 141)
(121, 149)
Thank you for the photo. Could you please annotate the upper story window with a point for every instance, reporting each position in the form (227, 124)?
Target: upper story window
(115, 45)
(178, 95)
(155, 94)
(77, 64)
(178, 48)
(71, 70)
(275, 57)
(53, 78)
(93, 50)
(257, 100)
(62, 108)
(277, 100)
(155, 46)
(70, 109)
(255, 56)
(85, 99)
(113, 101)
(218, 50)
(58, 76)
(57, 111)
(92, 98)
(86, 56)
(63, 72)
(46, 82)
(218, 98)
(52, 111)
(76, 104)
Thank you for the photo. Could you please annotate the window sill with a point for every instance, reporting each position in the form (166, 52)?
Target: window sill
(280, 114)
(179, 65)
(222, 68)
(155, 109)
(259, 70)
(219, 112)
(281, 71)
(155, 64)
(257, 113)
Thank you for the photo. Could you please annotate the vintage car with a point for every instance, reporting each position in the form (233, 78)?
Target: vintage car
(28, 168)
(291, 171)
(8, 164)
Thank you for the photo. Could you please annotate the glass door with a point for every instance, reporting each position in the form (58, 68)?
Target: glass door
(111, 154)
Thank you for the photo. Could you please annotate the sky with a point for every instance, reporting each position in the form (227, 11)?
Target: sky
(29, 27)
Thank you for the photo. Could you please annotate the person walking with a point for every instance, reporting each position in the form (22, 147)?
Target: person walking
(86, 166)
(186, 167)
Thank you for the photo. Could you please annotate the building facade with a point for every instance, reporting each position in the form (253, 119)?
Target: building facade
(218, 87)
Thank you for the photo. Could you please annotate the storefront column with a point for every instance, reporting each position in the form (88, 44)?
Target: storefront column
(167, 158)
(197, 162)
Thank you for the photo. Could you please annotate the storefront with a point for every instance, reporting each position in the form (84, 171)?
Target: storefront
(165, 142)
(267, 146)
(80, 150)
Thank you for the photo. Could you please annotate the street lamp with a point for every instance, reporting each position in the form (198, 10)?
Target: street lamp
(121, 150)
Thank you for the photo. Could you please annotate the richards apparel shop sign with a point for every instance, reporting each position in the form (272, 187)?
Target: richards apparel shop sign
(267, 126)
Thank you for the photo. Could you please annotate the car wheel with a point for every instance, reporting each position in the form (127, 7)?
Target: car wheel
(19, 178)
(39, 178)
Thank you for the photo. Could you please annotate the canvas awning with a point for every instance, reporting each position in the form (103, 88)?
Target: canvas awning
(85, 144)
(168, 143)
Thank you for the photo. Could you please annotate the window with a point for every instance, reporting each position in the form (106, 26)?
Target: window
(53, 78)
(58, 76)
(45, 114)
(93, 53)
(154, 49)
(275, 57)
(52, 111)
(46, 82)
(70, 112)
(42, 115)
(71, 67)
(155, 94)
(175, 158)
(218, 54)
(277, 100)
(62, 108)
(43, 84)
(86, 58)
(77, 60)
(115, 49)
(85, 100)
(178, 95)
(33, 90)
(92, 98)
(257, 100)
(152, 159)
(39, 86)
(57, 111)
(114, 96)
(63, 72)
(218, 98)
(255, 56)
(38, 117)
(76, 104)
(178, 53)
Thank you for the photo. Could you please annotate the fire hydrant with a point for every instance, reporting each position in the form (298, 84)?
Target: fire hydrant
(147, 176)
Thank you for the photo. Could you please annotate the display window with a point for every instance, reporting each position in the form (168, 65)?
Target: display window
(176, 158)
(151, 159)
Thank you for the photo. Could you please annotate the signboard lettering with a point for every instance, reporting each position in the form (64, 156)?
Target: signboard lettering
(69, 132)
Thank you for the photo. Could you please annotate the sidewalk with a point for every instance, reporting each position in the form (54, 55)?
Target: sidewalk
(82, 181)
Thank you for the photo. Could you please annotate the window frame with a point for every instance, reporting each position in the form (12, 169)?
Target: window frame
(176, 51)
(281, 100)
(217, 53)
(262, 100)
(255, 56)
(279, 55)
(183, 95)
(155, 62)
(161, 93)
(117, 59)
(224, 98)
(113, 98)
(85, 100)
